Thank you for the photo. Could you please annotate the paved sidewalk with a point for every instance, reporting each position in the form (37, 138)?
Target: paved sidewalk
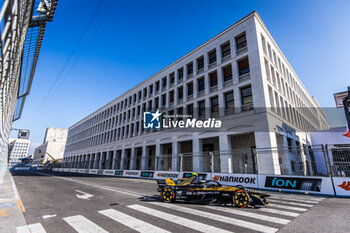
(11, 207)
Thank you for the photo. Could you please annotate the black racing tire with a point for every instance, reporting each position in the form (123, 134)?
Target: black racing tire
(167, 194)
(241, 199)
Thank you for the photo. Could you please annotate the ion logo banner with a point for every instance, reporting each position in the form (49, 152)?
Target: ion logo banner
(151, 120)
(305, 184)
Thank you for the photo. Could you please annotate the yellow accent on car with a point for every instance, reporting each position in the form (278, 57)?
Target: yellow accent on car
(170, 182)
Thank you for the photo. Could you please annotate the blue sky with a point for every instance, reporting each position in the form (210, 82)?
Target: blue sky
(128, 41)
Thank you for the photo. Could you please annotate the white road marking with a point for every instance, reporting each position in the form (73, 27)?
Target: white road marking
(83, 225)
(287, 207)
(299, 197)
(220, 218)
(249, 214)
(293, 203)
(281, 212)
(49, 216)
(293, 199)
(85, 195)
(32, 228)
(178, 220)
(131, 222)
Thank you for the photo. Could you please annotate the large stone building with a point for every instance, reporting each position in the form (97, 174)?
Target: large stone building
(239, 77)
(22, 29)
(53, 145)
(18, 150)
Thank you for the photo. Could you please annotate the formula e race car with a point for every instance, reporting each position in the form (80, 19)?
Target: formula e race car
(194, 190)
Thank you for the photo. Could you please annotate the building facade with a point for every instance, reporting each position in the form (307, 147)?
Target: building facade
(18, 150)
(53, 145)
(22, 27)
(239, 77)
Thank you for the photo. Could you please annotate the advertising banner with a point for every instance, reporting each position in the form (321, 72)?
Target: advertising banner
(301, 184)
(147, 174)
(73, 170)
(93, 171)
(162, 175)
(342, 186)
(100, 172)
(81, 170)
(247, 180)
(132, 173)
(118, 172)
(66, 169)
(108, 172)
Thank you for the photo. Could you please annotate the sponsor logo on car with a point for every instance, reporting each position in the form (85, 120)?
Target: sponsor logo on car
(345, 185)
(235, 179)
(307, 184)
(167, 174)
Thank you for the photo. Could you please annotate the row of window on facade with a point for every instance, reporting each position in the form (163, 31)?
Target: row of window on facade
(136, 128)
(280, 76)
(162, 84)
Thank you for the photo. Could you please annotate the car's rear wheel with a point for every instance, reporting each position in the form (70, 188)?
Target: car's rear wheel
(167, 194)
(241, 199)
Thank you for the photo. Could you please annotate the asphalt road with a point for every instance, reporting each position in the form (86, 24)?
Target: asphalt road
(65, 202)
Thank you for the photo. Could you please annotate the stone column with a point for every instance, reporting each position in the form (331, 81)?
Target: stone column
(225, 153)
(175, 154)
(197, 153)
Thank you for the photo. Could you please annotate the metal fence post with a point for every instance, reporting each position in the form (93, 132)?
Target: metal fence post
(330, 168)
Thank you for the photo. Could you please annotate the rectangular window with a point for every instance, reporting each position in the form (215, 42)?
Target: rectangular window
(227, 73)
(180, 111)
(180, 73)
(190, 110)
(263, 43)
(201, 109)
(140, 97)
(241, 42)
(214, 104)
(190, 89)
(189, 68)
(156, 105)
(225, 50)
(212, 57)
(213, 79)
(163, 99)
(180, 93)
(246, 95)
(164, 82)
(171, 97)
(144, 92)
(157, 86)
(150, 89)
(267, 71)
(201, 85)
(229, 100)
(200, 63)
(172, 78)
(243, 66)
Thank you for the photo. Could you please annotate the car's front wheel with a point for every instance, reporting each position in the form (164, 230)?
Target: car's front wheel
(241, 199)
(167, 194)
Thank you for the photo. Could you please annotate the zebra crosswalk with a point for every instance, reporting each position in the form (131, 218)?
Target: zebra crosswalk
(155, 216)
